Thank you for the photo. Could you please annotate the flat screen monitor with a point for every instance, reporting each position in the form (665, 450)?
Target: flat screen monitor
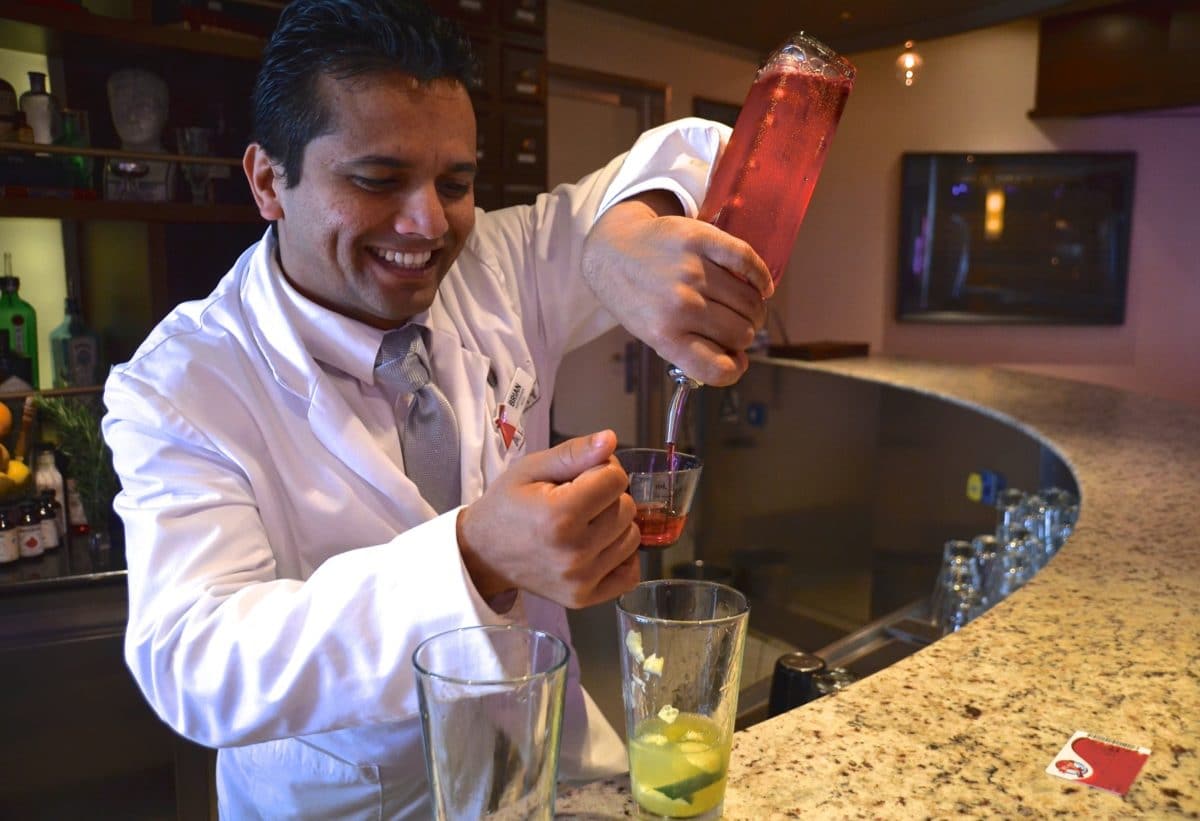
(1029, 237)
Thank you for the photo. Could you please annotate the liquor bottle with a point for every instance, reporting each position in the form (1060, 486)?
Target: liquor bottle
(41, 110)
(18, 318)
(29, 531)
(14, 366)
(45, 517)
(48, 480)
(10, 545)
(762, 183)
(75, 349)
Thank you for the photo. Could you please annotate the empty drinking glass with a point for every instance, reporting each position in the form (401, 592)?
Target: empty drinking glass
(962, 607)
(491, 716)
(1010, 512)
(1062, 509)
(987, 551)
(1014, 566)
(957, 595)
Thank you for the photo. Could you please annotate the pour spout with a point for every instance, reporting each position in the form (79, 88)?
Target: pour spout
(684, 385)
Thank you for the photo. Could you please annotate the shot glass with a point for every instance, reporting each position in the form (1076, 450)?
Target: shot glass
(491, 719)
(662, 485)
(681, 659)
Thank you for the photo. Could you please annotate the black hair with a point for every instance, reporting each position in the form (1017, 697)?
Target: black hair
(343, 39)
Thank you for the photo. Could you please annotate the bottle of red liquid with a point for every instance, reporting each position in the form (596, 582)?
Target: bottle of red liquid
(764, 180)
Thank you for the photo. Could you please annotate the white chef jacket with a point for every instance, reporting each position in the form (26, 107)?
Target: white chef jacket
(282, 567)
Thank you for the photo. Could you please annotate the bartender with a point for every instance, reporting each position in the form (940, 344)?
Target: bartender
(322, 462)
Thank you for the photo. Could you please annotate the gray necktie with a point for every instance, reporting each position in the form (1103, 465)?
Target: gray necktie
(429, 432)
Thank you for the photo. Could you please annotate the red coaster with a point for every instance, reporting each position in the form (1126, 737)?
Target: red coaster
(1099, 762)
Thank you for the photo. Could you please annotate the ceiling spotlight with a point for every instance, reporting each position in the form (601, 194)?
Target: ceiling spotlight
(908, 64)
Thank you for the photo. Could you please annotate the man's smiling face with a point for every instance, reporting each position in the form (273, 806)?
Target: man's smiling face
(385, 200)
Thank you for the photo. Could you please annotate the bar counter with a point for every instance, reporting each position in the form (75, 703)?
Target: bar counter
(1106, 639)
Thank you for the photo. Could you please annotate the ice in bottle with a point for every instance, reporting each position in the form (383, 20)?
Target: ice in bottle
(765, 178)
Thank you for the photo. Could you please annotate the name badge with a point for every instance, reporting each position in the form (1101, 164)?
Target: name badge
(508, 419)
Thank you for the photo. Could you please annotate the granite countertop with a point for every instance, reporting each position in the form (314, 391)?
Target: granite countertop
(1106, 639)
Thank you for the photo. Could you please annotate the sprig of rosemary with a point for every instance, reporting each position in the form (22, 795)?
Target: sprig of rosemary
(77, 423)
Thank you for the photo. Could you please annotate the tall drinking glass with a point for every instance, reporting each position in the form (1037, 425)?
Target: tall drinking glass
(681, 661)
(491, 718)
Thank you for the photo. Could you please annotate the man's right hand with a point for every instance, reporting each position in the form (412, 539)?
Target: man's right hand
(558, 523)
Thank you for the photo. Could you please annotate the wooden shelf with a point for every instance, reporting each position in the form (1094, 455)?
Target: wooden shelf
(34, 28)
(51, 208)
(117, 154)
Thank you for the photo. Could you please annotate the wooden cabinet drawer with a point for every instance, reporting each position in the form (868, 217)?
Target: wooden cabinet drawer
(474, 12)
(488, 141)
(524, 145)
(524, 74)
(525, 15)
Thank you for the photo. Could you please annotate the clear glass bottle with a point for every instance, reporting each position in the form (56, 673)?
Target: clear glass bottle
(48, 479)
(18, 318)
(10, 545)
(29, 531)
(75, 349)
(42, 110)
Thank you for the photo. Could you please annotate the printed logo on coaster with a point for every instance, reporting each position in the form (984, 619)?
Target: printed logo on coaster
(1099, 762)
(516, 398)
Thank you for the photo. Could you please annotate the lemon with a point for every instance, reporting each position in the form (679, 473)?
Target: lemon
(17, 471)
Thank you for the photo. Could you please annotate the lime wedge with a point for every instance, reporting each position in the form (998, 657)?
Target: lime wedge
(685, 789)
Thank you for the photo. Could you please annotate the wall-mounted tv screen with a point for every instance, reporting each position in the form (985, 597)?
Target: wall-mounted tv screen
(1032, 237)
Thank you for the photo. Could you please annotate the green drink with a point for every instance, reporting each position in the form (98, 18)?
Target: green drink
(680, 662)
(678, 768)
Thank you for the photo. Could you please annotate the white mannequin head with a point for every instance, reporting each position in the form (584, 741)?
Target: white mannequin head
(138, 102)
